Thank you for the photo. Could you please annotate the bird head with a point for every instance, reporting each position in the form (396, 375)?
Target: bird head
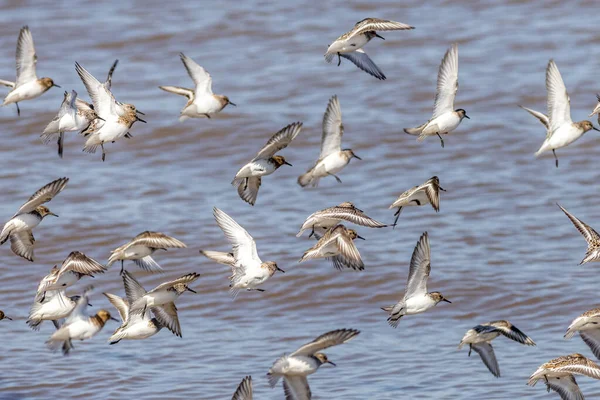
(47, 83)
(279, 161)
(462, 113)
(322, 358)
(437, 297)
(44, 211)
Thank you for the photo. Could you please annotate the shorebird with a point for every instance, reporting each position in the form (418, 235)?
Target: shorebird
(248, 178)
(161, 301)
(591, 237)
(4, 316)
(201, 100)
(117, 117)
(140, 250)
(73, 268)
(426, 193)
(332, 216)
(28, 86)
(55, 306)
(337, 244)
(244, 390)
(588, 326)
(133, 326)
(19, 227)
(445, 118)
(248, 271)
(294, 368)
(416, 298)
(349, 45)
(479, 338)
(78, 325)
(558, 375)
(332, 158)
(561, 131)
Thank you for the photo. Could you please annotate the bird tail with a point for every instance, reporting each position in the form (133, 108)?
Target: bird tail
(114, 257)
(306, 179)
(34, 320)
(92, 144)
(148, 264)
(415, 131)
(117, 336)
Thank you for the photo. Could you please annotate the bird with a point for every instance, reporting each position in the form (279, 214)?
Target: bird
(596, 109)
(338, 244)
(133, 326)
(445, 118)
(74, 267)
(332, 158)
(19, 227)
(558, 375)
(249, 177)
(294, 368)
(329, 217)
(479, 338)
(27, 86)
(78, 325)
(117, 117)
(416, 298)
(140, 250)
(244, 390)
(426, 193)
(55, 306)
(248, 271)
(588, 326)
(349, 45)
(161, 301)
(4, 316)
(591, 237)
(201, 100)
(561, 131)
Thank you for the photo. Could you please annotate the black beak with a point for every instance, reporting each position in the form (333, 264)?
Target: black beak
(9, 318)
(51, 213)
(233, 104)
(139, 112)
(596, 129)
(447, 301)
(280, 270)
(114, 319)
(101, 119)
(55, 85)
(380, 37)
(190, 290)
(139, 119)
(355, 156)
(287, 163)
(467, 117)
(360, 237)
(332, 363)
(89, 305)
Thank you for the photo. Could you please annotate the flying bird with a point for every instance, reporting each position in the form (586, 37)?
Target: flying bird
(322, 220)
(426, 193)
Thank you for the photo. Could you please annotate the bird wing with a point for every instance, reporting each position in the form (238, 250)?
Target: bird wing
(376, 24)
(322, 242)
(104, 102)
(447, 83)
(341, 261)
(279, 141)
(244, 246)
(486, 352)
(201, 78)
(21, 243)
(590, 235)
(512, 332)
(248, 190)
(26, 58)
(349, 253)
(185, 279)
(179, 90)
(108, 81)
(167, 316)
(432, 190)
(156, 240)
(120, 304)
(133, 289)
(542, 117)
(329, 339)
(362, 61)
(79, 262)
(559, 104)
(43, 195)
(585, 367)
(244, 390)
(331, 140)
(566, 387)
(347, 212)
(591, 337)
(296, 388)
(78, 311)
(420, 267)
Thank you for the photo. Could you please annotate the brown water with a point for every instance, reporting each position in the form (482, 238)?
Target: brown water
(501, 248)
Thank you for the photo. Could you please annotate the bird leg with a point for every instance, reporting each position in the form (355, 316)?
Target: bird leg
(556, 158)
(336, 177)
(259, 290)
(121, 273)
(18, 109)
(206, 115)
(339, 60)
(103, 153)
(470, 348)
(441, 140)
(380, 37)
(60, 144)
(312, 232)
(397, 215)
(441, 188)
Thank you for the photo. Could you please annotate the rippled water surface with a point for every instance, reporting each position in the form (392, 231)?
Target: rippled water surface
(501, 248)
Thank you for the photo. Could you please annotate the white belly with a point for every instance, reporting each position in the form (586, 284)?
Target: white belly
(256, 168)
(160, 298)
(137, 252)
(564, 136)
(332, 164)
(203, 105)
(82, 329)
(445, 123)
(67, 279)
(297, 365)
(111, 131)
(28, 91)
(25, 222)
(140, 330)
(54, 309)
(418, 304)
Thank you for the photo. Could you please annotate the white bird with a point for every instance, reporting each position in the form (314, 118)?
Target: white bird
(56, 305)
(28, 86)
(332, 158)
(248, 179)
(479, 338)
(416, 299)
(133, 326)
(426, 193)
(337, 244)
(349, 45)
(248, 271)
(588, 326)
(561, 131)
(19, 227)
(294, 368)
(591, 237)
(201, 101)
(118, 117)
(445, 118)
(161, 301)
(244, 390)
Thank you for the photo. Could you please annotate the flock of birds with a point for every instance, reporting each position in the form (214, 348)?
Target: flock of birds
(144, 313)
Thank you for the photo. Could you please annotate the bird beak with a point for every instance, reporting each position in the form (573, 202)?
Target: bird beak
(287, 163)
(280, 270)
(51, 213)
(380, 37)
(332, 363)
(139, 112)
(114, 319)
(596, 129)
(101, 119)
(467, 117)
(355, 156)
(7, 317)
(55, 85)
(190, 290)
(233, 104)
(360, 237)
(139, 119)
(446, 300)
(89, 305)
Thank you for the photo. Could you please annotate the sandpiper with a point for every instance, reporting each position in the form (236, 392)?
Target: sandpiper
(161, 301)
(426, 193)
(479, 338)
(248, 271)
(445, 118)
(332, 158)
(28, 86)
(78, 325)
(55, 306)
(561, 131)
(4, 316)
(591, 237)
(416, 299)
(248, 178)
(118, 117)
(350, 44)
(134, 326)
(244, 390)
(202, 103)
(588, 326)
(338, 245)
(558, 375)
(140, 250)
(19, 227)
(294, 368)
(329, 217)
